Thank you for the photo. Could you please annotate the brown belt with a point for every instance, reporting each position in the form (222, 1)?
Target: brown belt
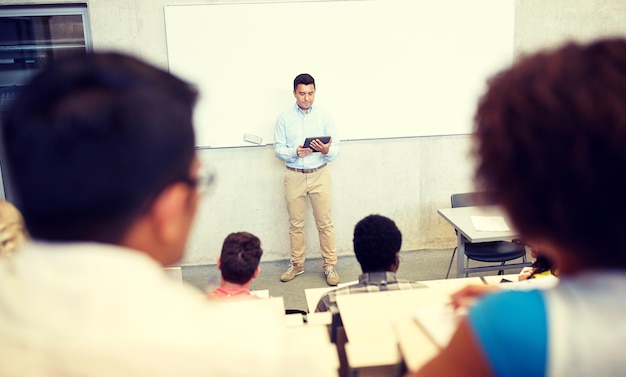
(306, 171)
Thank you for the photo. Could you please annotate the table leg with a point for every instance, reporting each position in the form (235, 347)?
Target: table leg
(460, 255)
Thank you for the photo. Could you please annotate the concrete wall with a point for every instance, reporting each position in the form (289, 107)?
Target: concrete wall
(405, 179)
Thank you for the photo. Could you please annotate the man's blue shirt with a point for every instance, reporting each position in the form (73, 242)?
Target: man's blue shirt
(293, 126)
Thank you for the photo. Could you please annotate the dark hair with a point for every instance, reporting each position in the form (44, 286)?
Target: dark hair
(542, 264)
(304, 79)
(551, 135)
(92, 140)
(376, 241)
(241, 254)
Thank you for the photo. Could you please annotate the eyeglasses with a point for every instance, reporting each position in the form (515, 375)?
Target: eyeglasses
(203, 181)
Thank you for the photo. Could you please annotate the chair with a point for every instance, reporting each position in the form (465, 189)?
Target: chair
(489, 252)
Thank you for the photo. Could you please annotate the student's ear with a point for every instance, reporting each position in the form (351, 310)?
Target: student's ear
(162, 231)
(219, 263)
(396, 263)
(257, 272)
(168, 212)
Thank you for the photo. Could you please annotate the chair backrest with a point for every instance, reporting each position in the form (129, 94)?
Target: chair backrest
(468, 199)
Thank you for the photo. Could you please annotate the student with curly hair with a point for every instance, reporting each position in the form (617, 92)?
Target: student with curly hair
(377, 241)
(550, 135)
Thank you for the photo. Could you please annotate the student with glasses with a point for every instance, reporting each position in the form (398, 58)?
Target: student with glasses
(100, 149)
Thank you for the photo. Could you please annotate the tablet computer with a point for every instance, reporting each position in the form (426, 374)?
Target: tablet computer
(308, 140)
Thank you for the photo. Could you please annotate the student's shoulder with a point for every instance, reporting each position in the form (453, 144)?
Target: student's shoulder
(509, 306)
(496, 321)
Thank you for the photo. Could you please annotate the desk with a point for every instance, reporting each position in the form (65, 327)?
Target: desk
(313, 295)
(497, 279)
(314, 340)
(461, 219)
(449, 286)
(382, 330)
(388, 332)
(416, 347)
(543, 282)
(368, 323)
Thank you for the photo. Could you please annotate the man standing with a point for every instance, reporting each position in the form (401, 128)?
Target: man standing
(307, 175)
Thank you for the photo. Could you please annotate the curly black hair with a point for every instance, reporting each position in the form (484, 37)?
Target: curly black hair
(551, 137)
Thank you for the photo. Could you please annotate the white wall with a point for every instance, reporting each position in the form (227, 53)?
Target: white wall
(405, 179)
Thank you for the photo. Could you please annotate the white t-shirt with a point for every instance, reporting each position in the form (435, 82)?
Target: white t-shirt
(587, 325)
(87, 309)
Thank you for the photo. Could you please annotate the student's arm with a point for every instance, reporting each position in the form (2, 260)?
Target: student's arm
(486, 344)
(462, 357)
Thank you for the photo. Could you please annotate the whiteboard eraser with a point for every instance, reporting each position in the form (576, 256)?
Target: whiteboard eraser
(252, 139)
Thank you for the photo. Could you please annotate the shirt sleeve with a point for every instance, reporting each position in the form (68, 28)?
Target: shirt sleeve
(331, 130)
(511, 329)
(281, 150)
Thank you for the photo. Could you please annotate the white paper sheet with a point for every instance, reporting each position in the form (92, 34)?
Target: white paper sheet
(490, 224)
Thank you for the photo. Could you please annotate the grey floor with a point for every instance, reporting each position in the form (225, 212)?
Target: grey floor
(414, 265)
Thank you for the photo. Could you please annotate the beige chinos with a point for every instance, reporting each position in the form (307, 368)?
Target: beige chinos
(317, 186)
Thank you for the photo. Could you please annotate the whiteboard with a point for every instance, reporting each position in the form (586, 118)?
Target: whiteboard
(383, 68)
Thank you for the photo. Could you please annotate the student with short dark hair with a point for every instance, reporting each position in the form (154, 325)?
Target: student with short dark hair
(100, 150)
(239, 265)
(377, 241)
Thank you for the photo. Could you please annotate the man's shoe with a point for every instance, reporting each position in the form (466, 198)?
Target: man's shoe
(332, 277)
(293, 271)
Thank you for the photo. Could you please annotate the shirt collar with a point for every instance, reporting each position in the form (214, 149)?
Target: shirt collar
(222, 291)
(379, 277)
(299, 110)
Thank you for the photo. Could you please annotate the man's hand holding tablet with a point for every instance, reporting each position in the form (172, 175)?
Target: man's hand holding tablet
(318, 143)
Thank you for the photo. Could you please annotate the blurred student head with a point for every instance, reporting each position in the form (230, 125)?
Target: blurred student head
(550, 147)
(240, 257)
(12, 230)
(100, 147)
(377, 241)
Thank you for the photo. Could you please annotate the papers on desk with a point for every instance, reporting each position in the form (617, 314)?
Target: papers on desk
(490, 224)
(543, 282)
(439, 322)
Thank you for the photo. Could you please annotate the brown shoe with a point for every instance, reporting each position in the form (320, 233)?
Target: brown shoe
(293, 271)
(332, 277)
